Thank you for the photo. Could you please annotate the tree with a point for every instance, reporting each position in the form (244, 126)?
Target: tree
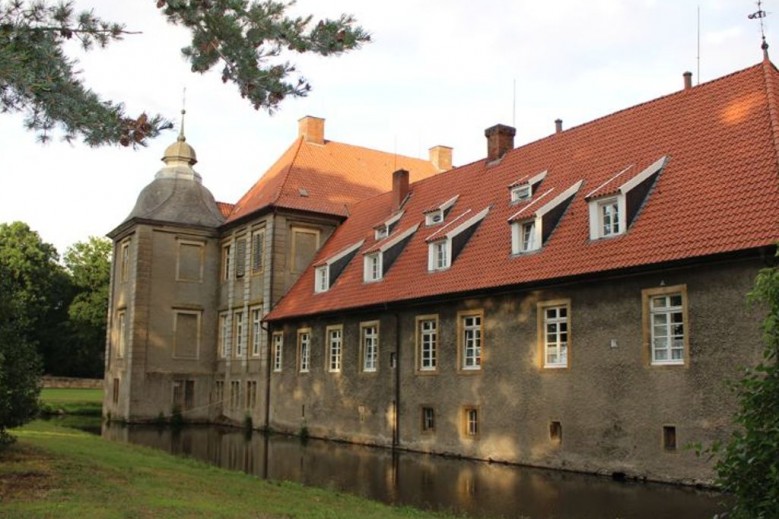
(247, 37)
(30, 281)
(89, 266)
(749, 463)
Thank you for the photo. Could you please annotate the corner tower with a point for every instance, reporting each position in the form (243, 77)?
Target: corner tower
(162, 318)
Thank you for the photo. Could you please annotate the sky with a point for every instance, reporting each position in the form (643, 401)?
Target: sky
(436, 72)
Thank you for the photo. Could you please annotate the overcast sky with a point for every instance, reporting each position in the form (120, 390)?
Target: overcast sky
(436, 72)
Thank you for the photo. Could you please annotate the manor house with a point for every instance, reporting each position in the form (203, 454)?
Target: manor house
(577, 302)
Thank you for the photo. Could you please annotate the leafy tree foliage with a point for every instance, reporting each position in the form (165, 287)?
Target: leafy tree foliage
(89, 266)
(247, 37)
(749, 463)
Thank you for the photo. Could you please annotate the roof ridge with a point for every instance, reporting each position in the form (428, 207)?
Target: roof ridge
(769, 72)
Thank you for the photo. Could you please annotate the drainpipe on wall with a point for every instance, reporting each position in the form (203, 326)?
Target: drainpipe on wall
(396, 418)
(267, 305)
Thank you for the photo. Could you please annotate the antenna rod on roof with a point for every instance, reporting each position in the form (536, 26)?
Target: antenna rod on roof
(698, 58)
(759, 15)
(514, 105)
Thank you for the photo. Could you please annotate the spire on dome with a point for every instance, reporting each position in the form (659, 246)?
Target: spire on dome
(180, 151)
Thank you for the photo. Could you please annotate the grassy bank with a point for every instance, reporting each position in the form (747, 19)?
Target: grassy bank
(82, 402)
(53, 471)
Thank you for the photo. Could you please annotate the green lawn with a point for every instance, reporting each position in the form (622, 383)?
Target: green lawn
(58, 472)
(72, 401)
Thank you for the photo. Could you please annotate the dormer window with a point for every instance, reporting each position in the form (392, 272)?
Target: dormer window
(614, 207)
(525, 187)
(532, 225)
(372, 267)
(521, 192)
(436, 215)
(446, 244)
(378, 260)
(385, 228)
(327, 272)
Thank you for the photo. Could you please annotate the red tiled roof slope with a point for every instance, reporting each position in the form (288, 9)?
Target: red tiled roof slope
(719, 192)
(326, 178)
(225, 208)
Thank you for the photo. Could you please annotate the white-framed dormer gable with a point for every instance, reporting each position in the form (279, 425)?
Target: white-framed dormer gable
(437, 215)
(378, 259)
(325, 273)
(612, 209)
(444, 245)
(386, 227)
(524, 188)
(532, 225)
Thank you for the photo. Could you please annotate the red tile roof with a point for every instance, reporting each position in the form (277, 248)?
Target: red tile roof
(718, 193)
(225, 208)
(326, 178)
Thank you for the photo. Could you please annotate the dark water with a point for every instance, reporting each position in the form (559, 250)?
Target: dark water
(476, 489)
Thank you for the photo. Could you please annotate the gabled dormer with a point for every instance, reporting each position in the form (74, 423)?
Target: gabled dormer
(524, 188)
(613, 206)
(386, 227)
(532, 225)
(378, 259)
(445, 244)
(327, 272)
(437, 215)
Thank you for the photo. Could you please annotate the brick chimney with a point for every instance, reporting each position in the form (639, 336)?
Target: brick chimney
(312, 129)
(399, 188)
(687, 80)
(441, 157)
(500, 139)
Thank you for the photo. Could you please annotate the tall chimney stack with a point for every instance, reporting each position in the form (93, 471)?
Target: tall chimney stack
(687, 80)
(441, 157)
(400, 188)
(312, 129)
(558, 125)
(500, 139)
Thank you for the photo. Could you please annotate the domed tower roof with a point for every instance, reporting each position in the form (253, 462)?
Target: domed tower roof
(177, 194)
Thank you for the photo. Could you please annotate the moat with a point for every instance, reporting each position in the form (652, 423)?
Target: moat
(473, 488)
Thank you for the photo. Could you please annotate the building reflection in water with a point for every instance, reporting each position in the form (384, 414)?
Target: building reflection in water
(477, 489)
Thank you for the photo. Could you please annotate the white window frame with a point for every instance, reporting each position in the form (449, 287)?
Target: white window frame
(369, 346)
(227, 261)
(525, 236)
(335, 339)
(385, 228)
(223, 339)
(610, 217)
(239, 335)
(439, 255)
(256, 330)
(436, 216)
(470, 340)
(322, 279)
(671, 319)
(278, 351)
(555, 333)
(304, 350)
(521, 192)
(427, 343)
(471, 423)
(372, 267)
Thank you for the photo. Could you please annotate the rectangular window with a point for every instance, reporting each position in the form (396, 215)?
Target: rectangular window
(258, 250)
(235, 394)
(305, 243)
(240, 257)
(227, 258)
(665, 324)
(428, 419)
(251, 394)
(183, 394)
(372, 267)
(521, 192)
(219, 391)
(115, 386)
(189, 264)
(125, 260)
(304, 350)
(609, 217)
(439, 255)
(471, 422)
(224, 334)
(427, 343)
(121, 331)
(256, 330)
(239, 334)
(322, 281)
(278, 349)
(555, 432)
(369, 340)
(528, 236)
(434, 217)
(669, 438)
(334, 349)
(470, 340)
(186, 334)
(554, 332)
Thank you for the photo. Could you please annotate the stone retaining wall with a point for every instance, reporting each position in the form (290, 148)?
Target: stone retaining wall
(72, 383)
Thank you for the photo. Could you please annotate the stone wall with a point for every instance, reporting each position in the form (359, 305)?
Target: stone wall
(71, 383)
